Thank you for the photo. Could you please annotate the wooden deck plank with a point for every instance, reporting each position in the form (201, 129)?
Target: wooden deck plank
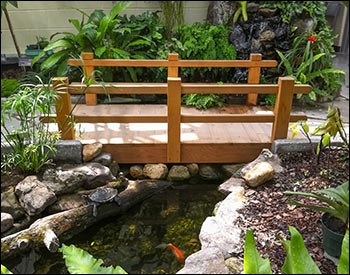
(200, 142)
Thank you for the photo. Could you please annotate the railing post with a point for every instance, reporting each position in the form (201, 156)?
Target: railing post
(173, 71)
(90, 99)
(283, 108)
(174, 120)
(254, 77)
(63, 108)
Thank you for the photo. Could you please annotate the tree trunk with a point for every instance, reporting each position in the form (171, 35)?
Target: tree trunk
(51, 230)
(12, 32)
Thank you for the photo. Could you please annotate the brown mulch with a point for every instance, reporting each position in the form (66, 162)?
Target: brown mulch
(268, 213)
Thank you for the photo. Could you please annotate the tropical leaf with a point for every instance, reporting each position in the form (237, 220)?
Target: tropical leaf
(298, 260)
(343, 264)
(79, 261)
(253, 263)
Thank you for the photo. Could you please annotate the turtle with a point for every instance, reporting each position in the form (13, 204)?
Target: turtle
(101, 195)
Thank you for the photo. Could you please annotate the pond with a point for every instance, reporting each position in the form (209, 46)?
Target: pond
(137, 240)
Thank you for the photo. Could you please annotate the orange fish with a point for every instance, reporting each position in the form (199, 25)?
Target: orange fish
(177, 252)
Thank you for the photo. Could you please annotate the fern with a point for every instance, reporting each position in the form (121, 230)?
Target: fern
(202, 101)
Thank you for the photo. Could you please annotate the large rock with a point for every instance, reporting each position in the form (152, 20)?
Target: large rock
(206, 261)
(6, 222)
(34, 196)
(260, 173)
(178, 173)
(91, 151)
(155, 171)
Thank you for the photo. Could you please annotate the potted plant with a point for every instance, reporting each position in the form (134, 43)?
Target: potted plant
(334, 203)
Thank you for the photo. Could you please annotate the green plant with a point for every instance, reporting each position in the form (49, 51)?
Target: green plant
(334, 201)
(309, 61)
(331, 127)
(202, 101)
(98, 35)
(79, 261)
(242, 9)
(9, 86)
(298, 259)
(32, 143)
(303, 75)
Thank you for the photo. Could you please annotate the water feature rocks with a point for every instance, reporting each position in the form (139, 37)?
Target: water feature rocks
(68, 178)
(206, 261)
(91, 151)
(10, 203)
(262, 169)
(155, 171)
(6, 221)
(136, 171)
(34, 196)
(178, 173)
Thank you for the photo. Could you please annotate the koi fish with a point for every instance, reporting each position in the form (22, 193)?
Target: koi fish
(176, 251)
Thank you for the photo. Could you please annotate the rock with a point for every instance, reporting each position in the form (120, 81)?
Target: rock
(91, 151)
(136, 171)
(34, 196)
(115, 168)
(259, 174)
(155, 171)
(193, 168)
(10, 203)
(178, 173)
(230, 185)
(208, 172)
(209, 260)
(6, 221)
(104, 158)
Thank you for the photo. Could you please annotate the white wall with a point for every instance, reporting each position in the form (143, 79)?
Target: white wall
(44, 18)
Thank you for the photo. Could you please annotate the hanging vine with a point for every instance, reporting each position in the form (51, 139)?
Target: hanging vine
(173, 15)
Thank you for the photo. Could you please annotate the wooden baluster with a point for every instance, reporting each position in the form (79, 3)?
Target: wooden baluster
(63, 108)
(173, 69)
(90, 99)
(254, 78)
(283, 108)
(174, 119)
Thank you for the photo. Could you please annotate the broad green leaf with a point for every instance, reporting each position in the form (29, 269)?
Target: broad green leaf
(253, 263)
(75, 23)
(119, 7)
(343, 264)
(52, 60)
(294, 133)
(61, 43)
(99, 51)
(38, 57)
(4, 270)
(312, 96)
(298, 259)
(326, 139)
(79, 261)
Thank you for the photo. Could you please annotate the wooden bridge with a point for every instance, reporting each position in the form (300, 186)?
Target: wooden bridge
(172, 133)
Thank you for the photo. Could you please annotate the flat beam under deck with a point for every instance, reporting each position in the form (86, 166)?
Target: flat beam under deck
(200, 142)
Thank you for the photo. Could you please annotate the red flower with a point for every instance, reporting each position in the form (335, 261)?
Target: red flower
(312, 38)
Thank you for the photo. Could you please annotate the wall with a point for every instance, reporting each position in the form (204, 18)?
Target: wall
(44, 18)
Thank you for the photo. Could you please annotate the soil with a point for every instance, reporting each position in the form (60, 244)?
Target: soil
(268, 213)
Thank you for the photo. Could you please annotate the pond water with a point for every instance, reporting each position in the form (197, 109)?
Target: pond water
(132, 240)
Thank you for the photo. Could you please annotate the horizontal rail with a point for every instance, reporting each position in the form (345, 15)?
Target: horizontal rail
(167, 63)
(186, 88)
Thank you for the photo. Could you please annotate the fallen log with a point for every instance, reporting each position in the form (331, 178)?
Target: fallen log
(51, 230)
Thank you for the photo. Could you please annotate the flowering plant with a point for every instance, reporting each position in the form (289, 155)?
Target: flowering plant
(310, 61)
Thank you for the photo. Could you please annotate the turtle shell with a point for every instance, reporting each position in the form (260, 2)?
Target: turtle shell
(103, 195)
